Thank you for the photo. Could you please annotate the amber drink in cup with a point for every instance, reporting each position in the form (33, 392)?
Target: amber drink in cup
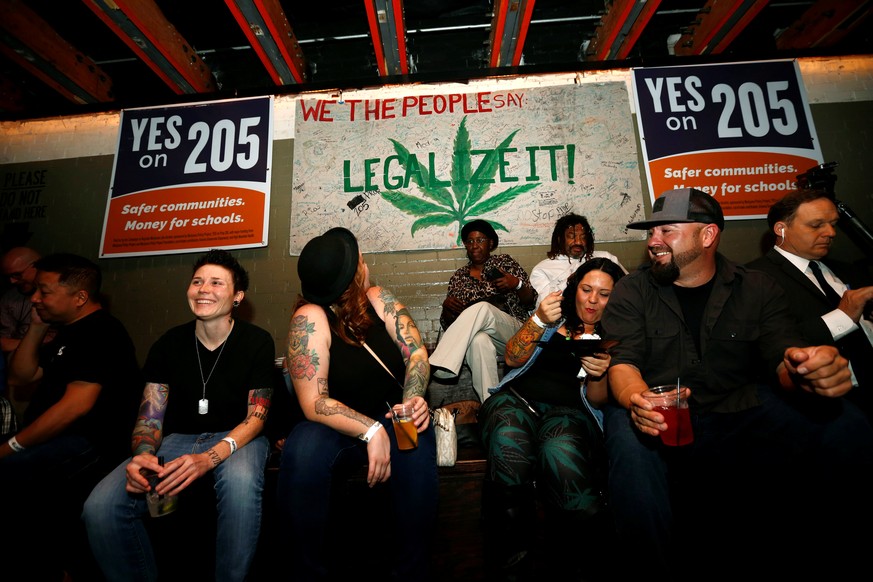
(404, 429)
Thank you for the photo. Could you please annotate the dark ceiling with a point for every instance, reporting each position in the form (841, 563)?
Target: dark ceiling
(446, 40)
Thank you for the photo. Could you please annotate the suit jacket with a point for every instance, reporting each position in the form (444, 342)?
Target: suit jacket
(807, 304)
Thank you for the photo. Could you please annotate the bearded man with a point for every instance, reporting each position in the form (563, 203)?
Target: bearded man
(768, 419)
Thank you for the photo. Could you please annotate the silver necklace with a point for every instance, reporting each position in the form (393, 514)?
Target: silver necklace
(203, 405)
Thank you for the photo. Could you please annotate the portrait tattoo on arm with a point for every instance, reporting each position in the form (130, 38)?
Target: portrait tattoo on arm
(302, 362)
(406, 333)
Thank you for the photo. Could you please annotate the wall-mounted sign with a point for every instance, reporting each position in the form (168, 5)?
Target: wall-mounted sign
(741, 132)
(405, 171)
(189, 178)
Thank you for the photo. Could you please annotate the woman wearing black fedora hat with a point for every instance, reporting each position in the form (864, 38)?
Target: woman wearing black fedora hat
(349, 360)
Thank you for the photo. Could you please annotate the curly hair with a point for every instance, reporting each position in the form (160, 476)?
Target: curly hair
(561, 226)
(568, 303)
(348, 316)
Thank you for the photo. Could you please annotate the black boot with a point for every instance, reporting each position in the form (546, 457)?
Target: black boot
(509, 512)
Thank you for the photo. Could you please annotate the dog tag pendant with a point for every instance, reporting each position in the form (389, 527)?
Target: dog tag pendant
(203, 406)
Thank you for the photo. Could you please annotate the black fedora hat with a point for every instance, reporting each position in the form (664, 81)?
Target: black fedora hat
(327, 265)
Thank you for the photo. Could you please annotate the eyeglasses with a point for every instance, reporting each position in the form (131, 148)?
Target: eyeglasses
(18, 274)
(477, 241)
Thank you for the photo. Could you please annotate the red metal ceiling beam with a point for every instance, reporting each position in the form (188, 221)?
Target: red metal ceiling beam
(620, 28)
(382, 44)
(825, 23)
(400, 32)
(718, 24)
(156, 42)
(32, 43)
(509, 26)
(283, 52)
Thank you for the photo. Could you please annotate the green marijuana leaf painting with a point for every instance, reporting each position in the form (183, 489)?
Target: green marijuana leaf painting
(469, 186)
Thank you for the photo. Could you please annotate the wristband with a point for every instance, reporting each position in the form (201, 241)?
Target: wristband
(232, 444)
(371, 431)
(536, 319)
(520, 284)
(13, 444)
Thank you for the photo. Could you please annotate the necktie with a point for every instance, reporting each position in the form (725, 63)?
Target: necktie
(829, 292)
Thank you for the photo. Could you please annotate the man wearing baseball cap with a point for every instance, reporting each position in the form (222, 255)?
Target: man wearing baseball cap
(769, 426)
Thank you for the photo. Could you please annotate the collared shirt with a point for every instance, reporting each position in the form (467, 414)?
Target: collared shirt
(744, 332)
(837, 321)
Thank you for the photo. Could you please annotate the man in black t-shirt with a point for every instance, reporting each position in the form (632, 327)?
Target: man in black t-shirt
(78, 423)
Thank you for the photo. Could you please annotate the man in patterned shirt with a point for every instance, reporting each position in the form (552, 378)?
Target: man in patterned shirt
(488, 300)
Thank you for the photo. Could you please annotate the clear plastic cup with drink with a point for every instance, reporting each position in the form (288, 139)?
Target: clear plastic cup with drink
(404, 428)
(671, 401)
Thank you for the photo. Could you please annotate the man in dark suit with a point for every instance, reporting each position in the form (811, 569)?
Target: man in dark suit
(825, 298)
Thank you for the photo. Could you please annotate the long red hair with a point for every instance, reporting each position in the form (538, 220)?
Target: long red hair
(347, 316)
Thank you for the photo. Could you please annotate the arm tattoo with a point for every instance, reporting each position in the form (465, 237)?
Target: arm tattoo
(213, 456)
(406, 334)
(302, 362)
(388, 299)
(150, 422)
(522, 344)
(416, 380)
(323, 408)
(259, 404)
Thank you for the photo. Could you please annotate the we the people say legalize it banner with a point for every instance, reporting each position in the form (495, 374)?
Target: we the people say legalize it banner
(405, 171)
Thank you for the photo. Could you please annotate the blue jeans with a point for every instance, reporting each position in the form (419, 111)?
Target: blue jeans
(750, 480)
(313, 456)
(114, 517)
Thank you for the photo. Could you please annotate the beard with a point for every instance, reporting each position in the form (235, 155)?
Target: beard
(667, 273)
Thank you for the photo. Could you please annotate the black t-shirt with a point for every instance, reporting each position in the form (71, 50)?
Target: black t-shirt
(95, 349)
(693, 302)
(552, 378)
(245, 364)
